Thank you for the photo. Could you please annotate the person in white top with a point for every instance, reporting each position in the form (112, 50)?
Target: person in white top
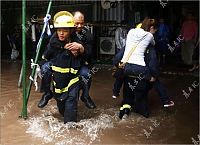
(139, 38)
(136, 73)
(120, 37)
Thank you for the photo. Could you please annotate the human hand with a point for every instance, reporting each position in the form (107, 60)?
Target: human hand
(75, 52)
(74, 47)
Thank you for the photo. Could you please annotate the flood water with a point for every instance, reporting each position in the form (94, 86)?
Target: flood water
(175, 125)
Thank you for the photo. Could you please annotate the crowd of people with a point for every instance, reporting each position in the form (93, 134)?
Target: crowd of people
(67, 63)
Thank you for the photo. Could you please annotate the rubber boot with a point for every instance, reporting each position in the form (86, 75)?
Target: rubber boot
(123, 113)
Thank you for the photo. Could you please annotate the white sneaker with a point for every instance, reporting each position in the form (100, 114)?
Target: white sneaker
(114, 97)
(171, 103)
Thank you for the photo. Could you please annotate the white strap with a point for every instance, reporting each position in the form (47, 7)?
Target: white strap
(46, 20)
(37, 73)
(132, 50)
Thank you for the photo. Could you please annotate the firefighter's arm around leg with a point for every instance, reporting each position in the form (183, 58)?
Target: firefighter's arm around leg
(75, 48)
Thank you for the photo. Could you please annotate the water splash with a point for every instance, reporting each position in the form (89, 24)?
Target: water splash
(52, 129)
(92, 127)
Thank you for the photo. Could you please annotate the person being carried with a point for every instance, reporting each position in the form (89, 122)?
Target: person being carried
(136, 72)
(152, 63)
(137, 66)
(86, 38)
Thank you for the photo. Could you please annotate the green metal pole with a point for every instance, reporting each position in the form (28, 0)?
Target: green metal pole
(24, 109)
(37, 54)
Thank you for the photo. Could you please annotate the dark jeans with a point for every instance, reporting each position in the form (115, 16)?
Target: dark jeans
(134, 69)
(117, 85)
(159, 87)
(86, 80)
(119, 80)
(46, 76)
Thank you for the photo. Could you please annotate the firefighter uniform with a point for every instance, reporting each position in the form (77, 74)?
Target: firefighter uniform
(63, 67)
(66, 84)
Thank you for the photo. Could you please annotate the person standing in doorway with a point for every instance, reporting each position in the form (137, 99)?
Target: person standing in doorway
(120, 40)
(189, 31)
(162, 38)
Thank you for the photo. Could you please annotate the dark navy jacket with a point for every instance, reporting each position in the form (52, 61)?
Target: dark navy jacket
(152, 61)
(86, 38)
(55, 46)
(65, 66)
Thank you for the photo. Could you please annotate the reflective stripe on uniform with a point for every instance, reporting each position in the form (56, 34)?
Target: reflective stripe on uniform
(64, 70)
(125, 106)
(133, 76)
(71, 82)
(54, 83)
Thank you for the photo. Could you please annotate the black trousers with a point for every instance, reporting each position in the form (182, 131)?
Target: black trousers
(68, 108)
(135, 92)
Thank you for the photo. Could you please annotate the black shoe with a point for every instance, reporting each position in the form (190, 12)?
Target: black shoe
(44, 100)
(121, 114)
(88, 102)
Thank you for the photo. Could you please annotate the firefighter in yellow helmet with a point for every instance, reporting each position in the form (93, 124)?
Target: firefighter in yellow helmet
(62, 62)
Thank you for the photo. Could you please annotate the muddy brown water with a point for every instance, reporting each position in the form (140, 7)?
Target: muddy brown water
(176, 125)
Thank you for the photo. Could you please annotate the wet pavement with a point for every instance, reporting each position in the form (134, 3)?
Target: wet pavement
(175, 125)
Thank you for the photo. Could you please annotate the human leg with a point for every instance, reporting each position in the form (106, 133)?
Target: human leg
(86, 83)
(161, 90)
(61, 107)
(71, 106)
(187, 52)
(128, 98)
(117, 86)
(46, 84)
(141, 99)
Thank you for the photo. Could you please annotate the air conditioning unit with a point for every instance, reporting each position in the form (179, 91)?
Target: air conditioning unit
(107, 45)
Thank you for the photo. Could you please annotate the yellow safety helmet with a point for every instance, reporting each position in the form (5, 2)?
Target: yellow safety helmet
(63, 19)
